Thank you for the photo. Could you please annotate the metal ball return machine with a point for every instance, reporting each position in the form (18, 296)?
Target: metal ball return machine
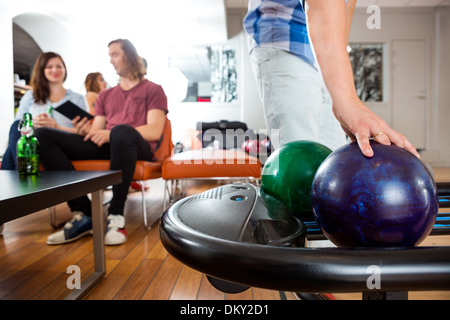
(240, 238)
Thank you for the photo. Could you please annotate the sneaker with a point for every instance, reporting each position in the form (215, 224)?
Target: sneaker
(116, 233)
(78, 227)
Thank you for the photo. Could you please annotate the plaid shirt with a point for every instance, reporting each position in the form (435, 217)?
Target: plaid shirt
(279, 24)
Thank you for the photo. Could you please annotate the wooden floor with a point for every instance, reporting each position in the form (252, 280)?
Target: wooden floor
(140, 269)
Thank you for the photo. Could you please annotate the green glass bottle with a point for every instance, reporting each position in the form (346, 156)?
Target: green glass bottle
(50, 111)
(27, 148)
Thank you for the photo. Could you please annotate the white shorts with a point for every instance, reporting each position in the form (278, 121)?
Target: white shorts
(295, 99)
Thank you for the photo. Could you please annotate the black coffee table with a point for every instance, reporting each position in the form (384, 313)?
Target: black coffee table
(20, 196)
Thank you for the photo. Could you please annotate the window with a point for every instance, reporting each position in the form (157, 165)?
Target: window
(203, 73)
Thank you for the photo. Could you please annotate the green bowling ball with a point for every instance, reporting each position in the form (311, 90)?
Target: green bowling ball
(288, 174)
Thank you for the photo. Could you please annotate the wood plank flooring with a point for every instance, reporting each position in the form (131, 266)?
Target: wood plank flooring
(140, 269)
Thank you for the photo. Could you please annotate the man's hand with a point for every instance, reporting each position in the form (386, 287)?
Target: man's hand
(329, 28)
(361, 124)
(82, 126)
(99, 137)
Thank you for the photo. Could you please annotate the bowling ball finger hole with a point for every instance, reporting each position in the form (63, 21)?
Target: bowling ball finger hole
(238, 198)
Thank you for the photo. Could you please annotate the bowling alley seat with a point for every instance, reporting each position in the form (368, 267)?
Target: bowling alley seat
(206, 163)
(145, 170)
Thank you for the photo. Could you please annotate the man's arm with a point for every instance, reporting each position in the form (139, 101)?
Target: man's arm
(98, 123)
(329, 29)
(152, 131)
(97, 132)
(349, 11)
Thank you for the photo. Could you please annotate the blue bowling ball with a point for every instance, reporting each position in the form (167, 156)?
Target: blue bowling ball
(387, 200)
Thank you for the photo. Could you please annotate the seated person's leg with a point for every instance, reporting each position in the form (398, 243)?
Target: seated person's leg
(127, 146)
(57, 149)
(9, 161)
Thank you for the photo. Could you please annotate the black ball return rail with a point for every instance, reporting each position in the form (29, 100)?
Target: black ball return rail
(375, 272)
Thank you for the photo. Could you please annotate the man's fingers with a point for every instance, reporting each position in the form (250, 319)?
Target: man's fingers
(401, 141)
(364, 145)
(87, 136)
(381, 137)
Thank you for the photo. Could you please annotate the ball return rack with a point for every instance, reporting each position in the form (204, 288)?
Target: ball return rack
(240, 238)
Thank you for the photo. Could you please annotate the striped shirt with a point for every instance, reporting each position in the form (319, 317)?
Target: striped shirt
(279, 24)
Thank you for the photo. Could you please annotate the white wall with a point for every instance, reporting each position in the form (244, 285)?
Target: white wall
(39, 26)
(6, 76)
(398, 24)
(439, 155)
(431, 25)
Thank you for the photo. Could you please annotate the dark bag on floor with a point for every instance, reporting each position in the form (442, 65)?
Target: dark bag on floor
(229, 134)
